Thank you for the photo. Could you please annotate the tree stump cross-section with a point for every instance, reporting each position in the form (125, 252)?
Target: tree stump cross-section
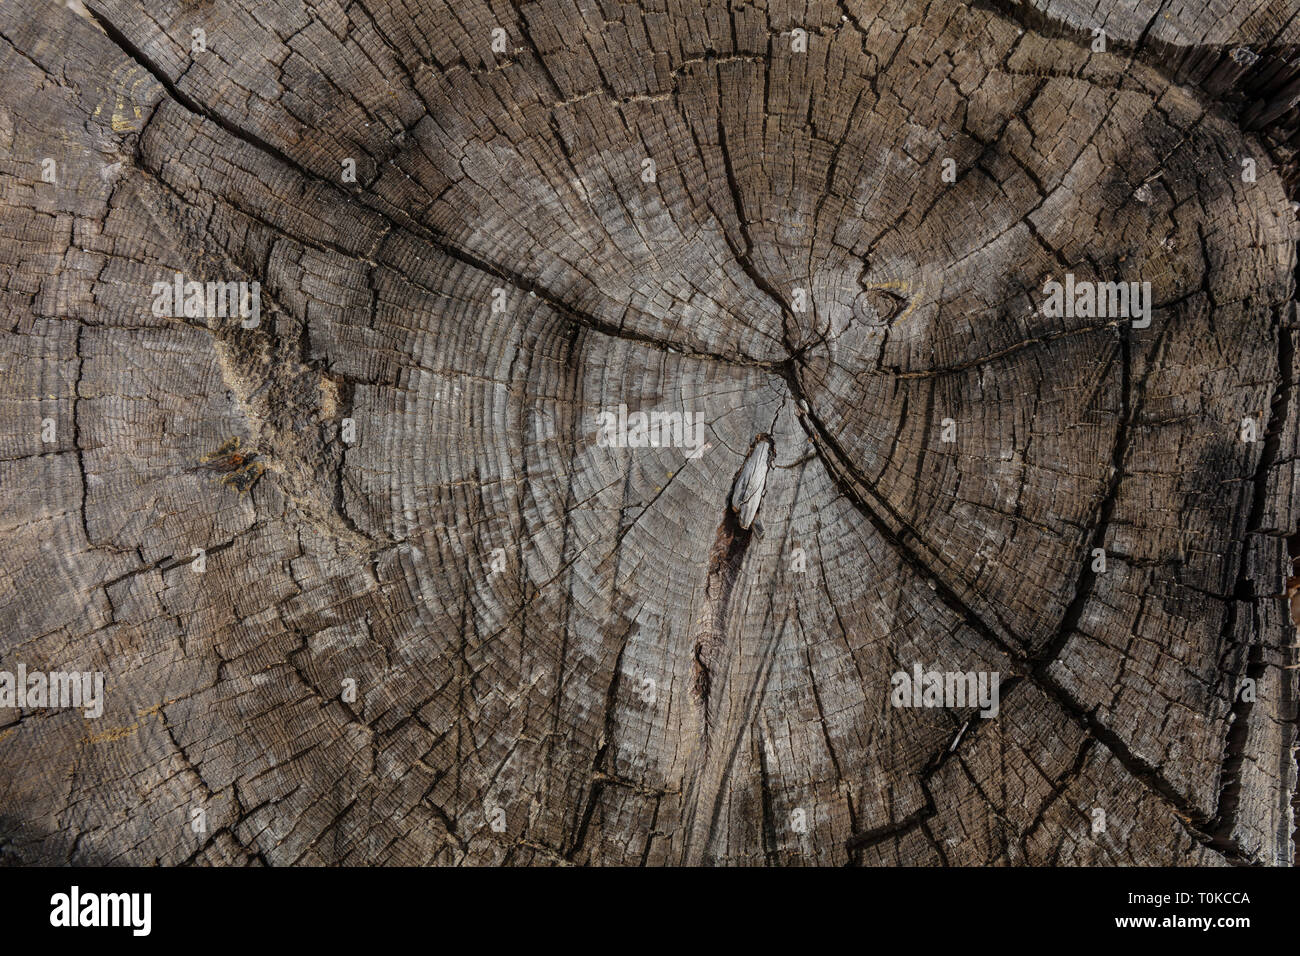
(592, 433)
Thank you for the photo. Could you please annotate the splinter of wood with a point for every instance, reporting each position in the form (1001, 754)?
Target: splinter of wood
(748, 491)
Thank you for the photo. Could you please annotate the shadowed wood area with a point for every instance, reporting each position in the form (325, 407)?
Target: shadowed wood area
(439, 604)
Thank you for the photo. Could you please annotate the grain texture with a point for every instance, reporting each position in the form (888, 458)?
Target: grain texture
(447, 622)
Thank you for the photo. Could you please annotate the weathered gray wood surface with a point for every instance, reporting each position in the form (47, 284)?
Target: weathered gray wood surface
(645, 681)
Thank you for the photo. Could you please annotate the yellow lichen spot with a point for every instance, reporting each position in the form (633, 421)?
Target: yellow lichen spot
(904, 287)
(119, 733)
(128, 86)
(113, 733)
